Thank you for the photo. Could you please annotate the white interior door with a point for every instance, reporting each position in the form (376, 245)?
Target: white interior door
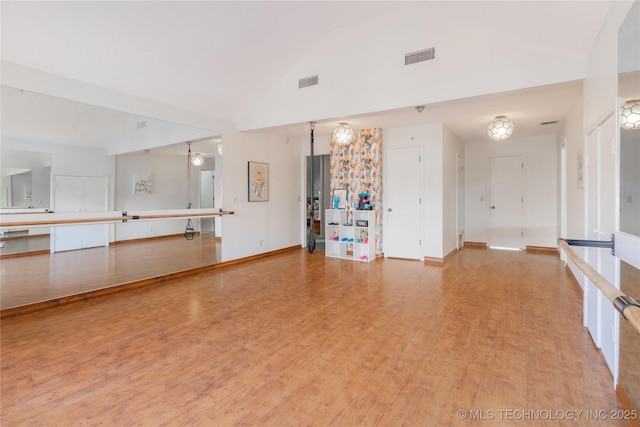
(506, 201)
(67, 197)
(79, 194)
(94, 199)
(402, 203)
(600, 316)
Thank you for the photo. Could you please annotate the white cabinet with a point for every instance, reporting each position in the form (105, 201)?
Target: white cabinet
(79, 194)
(350, 234)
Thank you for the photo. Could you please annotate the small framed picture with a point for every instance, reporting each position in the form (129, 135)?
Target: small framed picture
(340, 198)
(141, 183)
(258, 182)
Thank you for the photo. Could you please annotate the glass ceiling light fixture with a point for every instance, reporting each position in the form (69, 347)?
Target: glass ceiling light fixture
(197, 159)
(630, 115)
(343, 134)
(500, 128)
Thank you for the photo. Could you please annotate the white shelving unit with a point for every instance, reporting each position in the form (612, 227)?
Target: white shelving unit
(350, 234)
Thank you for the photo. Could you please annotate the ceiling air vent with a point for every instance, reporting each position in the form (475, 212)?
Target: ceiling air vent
(420, 56)
(308, 81)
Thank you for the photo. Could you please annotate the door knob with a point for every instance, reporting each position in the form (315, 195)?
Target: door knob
(492, 207)
(389, 210)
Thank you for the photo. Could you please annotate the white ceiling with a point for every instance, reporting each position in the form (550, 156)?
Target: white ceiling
(215, 57)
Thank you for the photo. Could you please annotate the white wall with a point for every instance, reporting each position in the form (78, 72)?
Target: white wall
(429, 138)
(67, 159)
(258, 227)
(379, 45)
(276, 223)
(451, 147)
(573, 136)
(168, 191)
(540, 187)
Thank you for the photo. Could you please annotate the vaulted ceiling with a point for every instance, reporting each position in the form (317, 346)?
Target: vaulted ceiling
(240, 61)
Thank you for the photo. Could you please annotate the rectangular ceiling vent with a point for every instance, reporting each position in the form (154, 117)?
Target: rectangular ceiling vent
(420, 56)
(308, 81)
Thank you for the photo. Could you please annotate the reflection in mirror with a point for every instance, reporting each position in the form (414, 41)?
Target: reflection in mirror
(175, 184)
(629, 374)
(25, 184)
(25, 179)
(629, 89)
(71, 139)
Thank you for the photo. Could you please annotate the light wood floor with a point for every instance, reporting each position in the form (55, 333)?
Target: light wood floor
(43, 277)
(298, 339)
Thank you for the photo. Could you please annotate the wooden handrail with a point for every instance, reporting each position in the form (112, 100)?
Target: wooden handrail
(52, 219)
(613, 294)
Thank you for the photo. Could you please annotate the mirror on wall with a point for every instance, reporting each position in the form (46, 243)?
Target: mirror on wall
(25, 179)
(45, 137)
(629, 89)
(629, 374)
(174, 184)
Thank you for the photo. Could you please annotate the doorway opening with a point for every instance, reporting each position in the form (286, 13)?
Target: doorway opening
(321, 199)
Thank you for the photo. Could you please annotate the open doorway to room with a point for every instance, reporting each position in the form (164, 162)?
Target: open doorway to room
(321, 198)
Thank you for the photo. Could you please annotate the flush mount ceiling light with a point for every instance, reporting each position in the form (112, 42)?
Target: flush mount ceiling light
(343, 134)
(500, 128)
(630, 115)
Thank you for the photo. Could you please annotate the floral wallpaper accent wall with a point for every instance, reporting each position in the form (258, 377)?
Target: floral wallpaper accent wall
(357, 167)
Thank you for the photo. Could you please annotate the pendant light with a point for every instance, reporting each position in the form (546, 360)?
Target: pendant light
(197, 159)
(500, 128)
(343, 134)
(630, 115)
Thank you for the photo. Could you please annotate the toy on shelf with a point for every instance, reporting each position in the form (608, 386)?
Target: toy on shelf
(364, 202)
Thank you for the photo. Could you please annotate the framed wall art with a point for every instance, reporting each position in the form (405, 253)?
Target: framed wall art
(258, 182)
(340, 198)
(141, 183)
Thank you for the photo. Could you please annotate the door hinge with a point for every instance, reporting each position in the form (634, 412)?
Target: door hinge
(420, 242)
(420, 200)
(419, 158)
(522, 234)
